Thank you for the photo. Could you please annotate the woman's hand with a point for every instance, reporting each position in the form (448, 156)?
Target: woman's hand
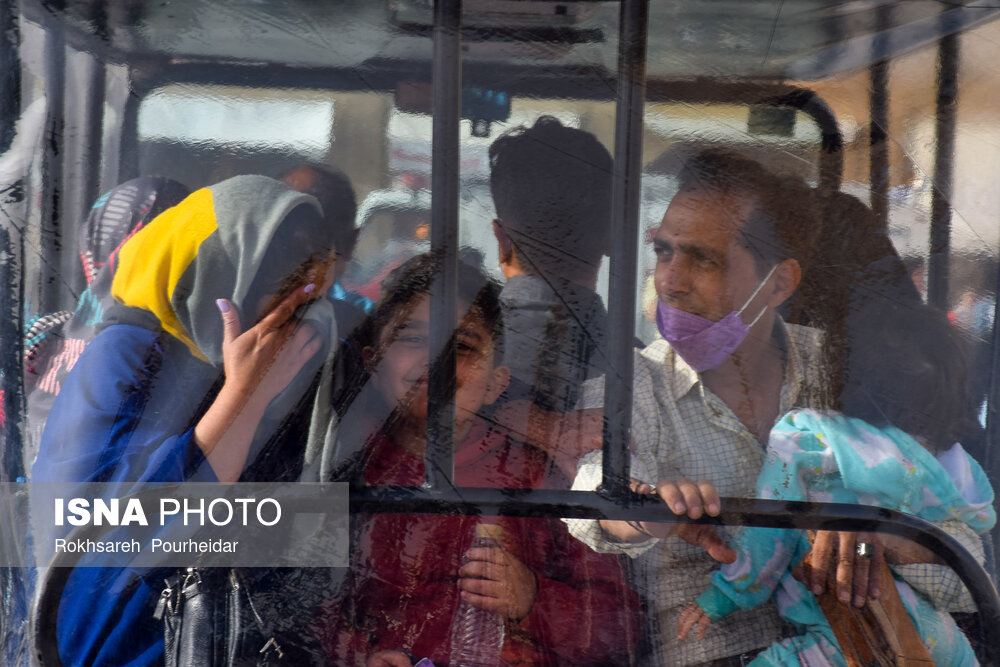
(495, 580)
(263, 360)
(259, 364)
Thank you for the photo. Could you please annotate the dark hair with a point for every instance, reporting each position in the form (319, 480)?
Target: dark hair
(416, 277)
(551, 186)
(853, 263)
(335, 194)
(400, 289)
(782, 224)
(905, 366)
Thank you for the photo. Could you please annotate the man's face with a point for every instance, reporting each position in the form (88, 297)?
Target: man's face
(400, 374)
(701, 268)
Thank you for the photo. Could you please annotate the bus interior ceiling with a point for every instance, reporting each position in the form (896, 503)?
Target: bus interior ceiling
(888, 101)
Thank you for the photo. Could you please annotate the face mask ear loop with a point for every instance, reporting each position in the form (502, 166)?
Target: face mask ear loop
(755, 293)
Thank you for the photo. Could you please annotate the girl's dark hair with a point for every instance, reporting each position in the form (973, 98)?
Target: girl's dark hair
(905, 365)
(400, 289)
(417, 276)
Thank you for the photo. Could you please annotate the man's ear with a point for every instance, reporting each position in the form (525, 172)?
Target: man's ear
(787, 276)
(504, 245)
(498, 382)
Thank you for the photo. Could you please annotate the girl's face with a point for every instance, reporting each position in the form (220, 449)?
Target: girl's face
(399, 373)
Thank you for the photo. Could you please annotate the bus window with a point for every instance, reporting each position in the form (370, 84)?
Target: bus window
(506, 297)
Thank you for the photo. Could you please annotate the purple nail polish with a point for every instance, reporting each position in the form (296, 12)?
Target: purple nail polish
(222, 305)
(309, 288)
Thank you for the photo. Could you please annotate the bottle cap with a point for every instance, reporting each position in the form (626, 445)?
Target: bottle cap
(491, 531)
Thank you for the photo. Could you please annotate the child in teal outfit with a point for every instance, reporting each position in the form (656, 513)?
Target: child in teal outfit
(889, 446)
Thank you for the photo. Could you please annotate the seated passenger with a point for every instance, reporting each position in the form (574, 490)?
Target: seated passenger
(563, 604)
(892, 444)
(169, 391)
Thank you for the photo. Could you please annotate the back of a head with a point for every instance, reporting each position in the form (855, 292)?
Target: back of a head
(905, 366)
(335, 194)
(551, 185)
(782, 224)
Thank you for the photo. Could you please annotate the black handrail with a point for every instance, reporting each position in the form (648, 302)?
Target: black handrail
(577, 505)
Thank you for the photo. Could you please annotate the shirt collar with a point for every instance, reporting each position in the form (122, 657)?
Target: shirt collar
(801, 344)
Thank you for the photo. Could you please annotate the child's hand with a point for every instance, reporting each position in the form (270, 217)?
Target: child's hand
(495, 580)
(388, 659)
(691, 617)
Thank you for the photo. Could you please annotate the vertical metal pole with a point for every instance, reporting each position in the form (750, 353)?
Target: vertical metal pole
(10, 73)
(52, 169)
(944, 163)
(625, 223)
(91, 134)
(447, 85)
(11, 355)
(128, 143)
(878, 137)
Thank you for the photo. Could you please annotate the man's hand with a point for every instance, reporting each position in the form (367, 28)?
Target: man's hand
(682, 497)
(495, 580)
(690, 617)
(833, 564)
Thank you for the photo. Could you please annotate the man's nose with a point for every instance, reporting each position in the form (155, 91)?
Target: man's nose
(673, 278)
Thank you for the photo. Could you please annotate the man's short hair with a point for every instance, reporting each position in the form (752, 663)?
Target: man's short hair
(551, 186)
(783, 223)
(335, 194)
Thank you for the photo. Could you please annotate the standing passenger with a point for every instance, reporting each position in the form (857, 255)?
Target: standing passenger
(170, 391)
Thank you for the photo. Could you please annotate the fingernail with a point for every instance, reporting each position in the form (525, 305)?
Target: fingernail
(679, 508)
(859, 601)
(309, 288)
(817, 590)
(713, 509)
(222, 305)
(843, 597)
(876, 593)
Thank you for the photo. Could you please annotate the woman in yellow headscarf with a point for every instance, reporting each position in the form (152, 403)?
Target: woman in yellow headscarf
(218, 330)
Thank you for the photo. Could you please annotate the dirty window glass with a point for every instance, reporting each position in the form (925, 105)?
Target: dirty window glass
(218, 267)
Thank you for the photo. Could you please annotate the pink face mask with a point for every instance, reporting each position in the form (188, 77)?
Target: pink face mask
(702, 343)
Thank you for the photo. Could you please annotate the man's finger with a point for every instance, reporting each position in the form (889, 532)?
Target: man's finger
(862, 570)
(672, 496)
(875, 574)
(709, 497)
(231, 328)
(847, 543)
(820, 558)
(692, 498)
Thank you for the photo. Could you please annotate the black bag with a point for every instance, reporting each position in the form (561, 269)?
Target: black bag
(209, 620)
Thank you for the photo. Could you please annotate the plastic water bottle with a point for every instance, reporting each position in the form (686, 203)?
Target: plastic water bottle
(477, 634)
